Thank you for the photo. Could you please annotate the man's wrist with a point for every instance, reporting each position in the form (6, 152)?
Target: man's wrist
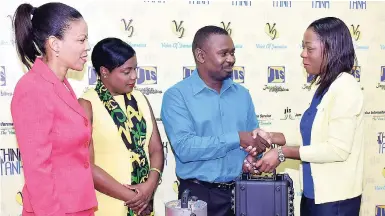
(277, 138)
(273, 137)
(240, 134)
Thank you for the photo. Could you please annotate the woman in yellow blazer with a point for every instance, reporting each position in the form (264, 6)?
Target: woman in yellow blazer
(332, 146)
(125, 148)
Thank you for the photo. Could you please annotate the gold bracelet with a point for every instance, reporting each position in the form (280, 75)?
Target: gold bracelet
(158, 171)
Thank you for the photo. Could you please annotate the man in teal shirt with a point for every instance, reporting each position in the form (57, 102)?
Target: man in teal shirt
(207, 118)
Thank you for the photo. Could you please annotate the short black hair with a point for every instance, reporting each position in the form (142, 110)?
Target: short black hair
(338, 54)
(204, 33)
(111, 53)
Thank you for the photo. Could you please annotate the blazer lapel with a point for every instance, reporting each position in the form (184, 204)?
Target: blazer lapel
(68, 97)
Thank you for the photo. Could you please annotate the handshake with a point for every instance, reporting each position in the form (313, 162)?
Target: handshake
(256, 142)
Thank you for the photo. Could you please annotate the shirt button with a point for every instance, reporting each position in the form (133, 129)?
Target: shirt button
(86, 165)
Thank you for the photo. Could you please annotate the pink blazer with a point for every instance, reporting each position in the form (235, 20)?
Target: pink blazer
(53, 134)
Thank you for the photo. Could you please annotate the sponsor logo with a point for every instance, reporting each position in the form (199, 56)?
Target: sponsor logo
(3, 77)
(356, 34)
(320, 4)
(282, 4)
(128, 30)
(273, 33)
(6, 128)
(199, 2)
(264, 119)
(376, 115)
(241, 3)
(289, 115)
(381, 142)
(380, 210)
(276, 78)
(381, 84)
(10, 162)
(357, 5)
(179, 30)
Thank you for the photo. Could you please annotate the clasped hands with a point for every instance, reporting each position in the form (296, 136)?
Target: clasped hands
(254, 143)
(140, 202)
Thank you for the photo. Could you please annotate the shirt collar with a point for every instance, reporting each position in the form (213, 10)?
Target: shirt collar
(198, 84)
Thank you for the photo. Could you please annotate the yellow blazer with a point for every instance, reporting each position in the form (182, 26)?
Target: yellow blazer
(336, 153)
(110, 151)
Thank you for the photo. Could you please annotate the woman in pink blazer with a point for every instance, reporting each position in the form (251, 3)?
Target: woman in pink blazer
(51, 127)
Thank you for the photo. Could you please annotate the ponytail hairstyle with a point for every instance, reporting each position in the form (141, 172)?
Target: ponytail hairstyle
(33, 26)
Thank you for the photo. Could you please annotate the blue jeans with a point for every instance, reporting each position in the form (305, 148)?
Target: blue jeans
(349, 207)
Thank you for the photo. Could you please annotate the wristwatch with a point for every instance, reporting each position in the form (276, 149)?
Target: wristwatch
(281, 156)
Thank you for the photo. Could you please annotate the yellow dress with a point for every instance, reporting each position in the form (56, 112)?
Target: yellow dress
(110, 151)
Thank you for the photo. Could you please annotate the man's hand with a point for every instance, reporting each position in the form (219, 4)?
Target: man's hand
(260, 134)
(263, 134)
(254, 145)
(145, 192)
(249, 164)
